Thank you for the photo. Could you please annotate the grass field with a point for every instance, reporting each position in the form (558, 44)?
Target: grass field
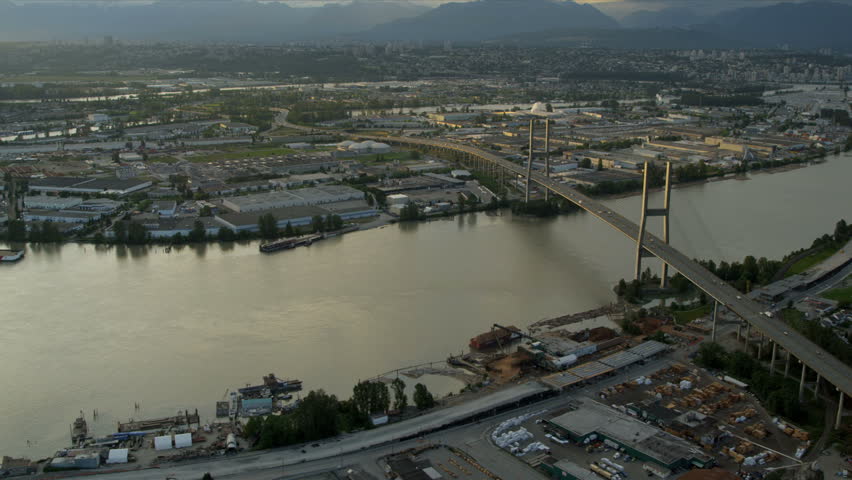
(839, 294)
(810, 261)
(685, 316)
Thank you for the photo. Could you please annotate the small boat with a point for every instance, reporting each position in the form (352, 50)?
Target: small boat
(11, 255)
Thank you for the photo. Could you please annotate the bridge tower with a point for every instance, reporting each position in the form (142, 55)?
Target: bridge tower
(547, 156)
(653, 212)
(529, 162)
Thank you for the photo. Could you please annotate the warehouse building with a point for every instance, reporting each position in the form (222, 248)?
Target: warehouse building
(45, 202)
(592, 421)
(109, 186)
(60, 216)
(293, 198)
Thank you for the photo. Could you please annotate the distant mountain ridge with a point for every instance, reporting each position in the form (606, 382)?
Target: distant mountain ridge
(485, 19)
(188, 20)
(814, 24)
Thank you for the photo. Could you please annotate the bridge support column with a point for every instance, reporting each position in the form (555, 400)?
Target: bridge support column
(802, 382)
(739, 327)
(816, 386)
(772, 361)
(547, 156)
(760, 347)
(748, 337)
(837, 421)
(529, 162)
(641, 236)
(665, 269)
(715, 311)
(787, 365)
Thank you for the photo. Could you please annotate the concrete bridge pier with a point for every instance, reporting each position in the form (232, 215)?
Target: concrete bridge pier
(787, 365)
(839, 418)
(715, 312)
(739, 327)
(802, 382)
(816, 386)
(748, 337)
(772, 361)
(760, 347)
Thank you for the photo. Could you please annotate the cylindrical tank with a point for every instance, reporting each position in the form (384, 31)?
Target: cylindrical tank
(231, 442)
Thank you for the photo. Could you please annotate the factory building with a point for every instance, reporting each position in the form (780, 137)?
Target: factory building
(44, 202)
(293, 198)
(110, 186)
(592, 422)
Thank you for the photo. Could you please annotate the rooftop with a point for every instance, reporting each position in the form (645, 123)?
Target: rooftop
(593, 417)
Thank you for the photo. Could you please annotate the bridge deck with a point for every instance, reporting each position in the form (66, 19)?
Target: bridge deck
(830, 368)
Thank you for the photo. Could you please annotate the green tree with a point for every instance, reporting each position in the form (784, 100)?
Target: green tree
(119, 231)
(226, 235)
(586, 163)
(136, 234)
(288, 230)
(198, 232)
(334, 222)
(423, 399)
(268, 226)
(371, 397)
(206, 211)
(317, 224)
(400, 400)
(16, 231)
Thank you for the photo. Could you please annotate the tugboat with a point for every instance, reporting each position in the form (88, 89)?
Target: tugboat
(11, 255)
(79, 430)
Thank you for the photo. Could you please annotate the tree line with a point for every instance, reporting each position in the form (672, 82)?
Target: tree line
(320, 415)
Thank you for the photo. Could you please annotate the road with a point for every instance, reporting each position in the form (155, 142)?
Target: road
(364, 449)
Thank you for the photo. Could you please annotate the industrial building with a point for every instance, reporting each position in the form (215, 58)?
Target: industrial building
(46, 202)
(62, 216)
(293, 198)
(109, 186)
(592, 421)
(296, 216)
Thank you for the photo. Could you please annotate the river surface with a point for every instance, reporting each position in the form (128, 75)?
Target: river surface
(102, 328)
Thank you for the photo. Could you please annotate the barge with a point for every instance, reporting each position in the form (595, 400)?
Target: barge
(288, 243)
(271, 385)
(11, 255)
(307, 240)
(495, 337)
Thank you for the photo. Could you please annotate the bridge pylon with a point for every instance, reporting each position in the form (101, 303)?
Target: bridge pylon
(529, 162)
(653, 212)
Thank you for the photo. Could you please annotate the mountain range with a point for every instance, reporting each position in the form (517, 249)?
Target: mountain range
(811, 24)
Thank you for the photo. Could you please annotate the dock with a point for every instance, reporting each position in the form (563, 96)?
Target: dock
(165, 423)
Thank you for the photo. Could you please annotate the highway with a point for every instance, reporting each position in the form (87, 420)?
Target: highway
(830, 368)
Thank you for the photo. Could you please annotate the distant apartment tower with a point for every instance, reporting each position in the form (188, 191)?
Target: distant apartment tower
(108, 41)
